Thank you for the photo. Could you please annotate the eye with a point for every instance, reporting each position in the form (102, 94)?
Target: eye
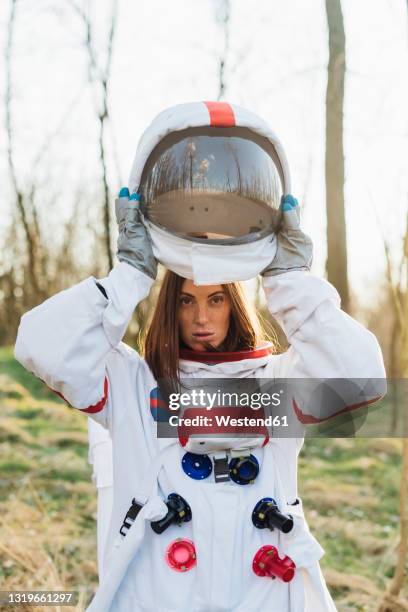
(185, 300)
(217, 299)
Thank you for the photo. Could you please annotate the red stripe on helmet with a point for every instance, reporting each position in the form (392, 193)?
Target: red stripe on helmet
(221, 114)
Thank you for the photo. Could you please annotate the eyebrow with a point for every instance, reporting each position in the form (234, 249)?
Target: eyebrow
(211, 294)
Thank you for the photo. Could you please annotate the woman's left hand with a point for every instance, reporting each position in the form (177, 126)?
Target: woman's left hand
(295, 249)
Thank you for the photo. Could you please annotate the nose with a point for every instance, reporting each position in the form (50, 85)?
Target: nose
(201, 314)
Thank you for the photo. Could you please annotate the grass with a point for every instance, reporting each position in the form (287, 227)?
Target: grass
(47, 499)
(349, 487)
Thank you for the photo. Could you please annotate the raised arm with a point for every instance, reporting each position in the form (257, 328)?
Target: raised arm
(66, 340)
(326, 343)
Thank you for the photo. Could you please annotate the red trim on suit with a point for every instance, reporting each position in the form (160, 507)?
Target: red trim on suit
(91, 409)
(215, 357)
(309, 419)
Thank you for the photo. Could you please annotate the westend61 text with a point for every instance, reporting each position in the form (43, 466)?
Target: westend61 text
(228, 421)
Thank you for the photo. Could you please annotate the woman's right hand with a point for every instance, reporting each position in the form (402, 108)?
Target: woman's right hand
(134, 245)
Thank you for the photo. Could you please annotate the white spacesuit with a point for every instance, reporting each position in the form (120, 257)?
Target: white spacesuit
(73, 342)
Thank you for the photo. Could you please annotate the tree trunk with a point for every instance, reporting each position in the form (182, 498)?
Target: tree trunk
(106, 196)
(223, 18)
(398, 578)
(30, 236)
(391, 601)
(394, 372)
(336, 224)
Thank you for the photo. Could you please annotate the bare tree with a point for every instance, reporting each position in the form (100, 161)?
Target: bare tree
(336, 223)
(32, 267)
(100, 75)
(399, 291)
(28, 217)
(223, 18)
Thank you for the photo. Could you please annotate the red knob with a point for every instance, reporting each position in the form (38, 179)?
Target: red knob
(268, 563)
(181, 555)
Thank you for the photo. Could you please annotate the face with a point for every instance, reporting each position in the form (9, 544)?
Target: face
(204, 315)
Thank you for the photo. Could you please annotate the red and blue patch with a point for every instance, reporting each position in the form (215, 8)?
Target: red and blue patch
(158, 407)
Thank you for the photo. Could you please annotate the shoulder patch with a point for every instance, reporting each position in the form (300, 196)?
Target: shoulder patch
(158, 407)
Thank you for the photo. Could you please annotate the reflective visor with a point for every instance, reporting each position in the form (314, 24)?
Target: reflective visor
(216, 184)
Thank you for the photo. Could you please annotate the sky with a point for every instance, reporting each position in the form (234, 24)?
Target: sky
(167, 53)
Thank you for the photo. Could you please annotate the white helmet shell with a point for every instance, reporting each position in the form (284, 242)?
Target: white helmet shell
(208, 262)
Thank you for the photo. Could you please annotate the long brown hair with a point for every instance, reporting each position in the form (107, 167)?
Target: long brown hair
(162, 341)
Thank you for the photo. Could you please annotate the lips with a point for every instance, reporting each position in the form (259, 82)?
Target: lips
(203, 334)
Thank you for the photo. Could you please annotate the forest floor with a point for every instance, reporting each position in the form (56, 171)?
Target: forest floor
(349, 487)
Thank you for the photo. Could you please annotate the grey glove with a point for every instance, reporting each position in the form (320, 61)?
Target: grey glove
(134, 244)
(295, 249)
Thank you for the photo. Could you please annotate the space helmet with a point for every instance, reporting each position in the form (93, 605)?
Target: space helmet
(211, 176)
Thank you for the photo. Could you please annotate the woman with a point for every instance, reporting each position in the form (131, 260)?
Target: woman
(205, 550)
